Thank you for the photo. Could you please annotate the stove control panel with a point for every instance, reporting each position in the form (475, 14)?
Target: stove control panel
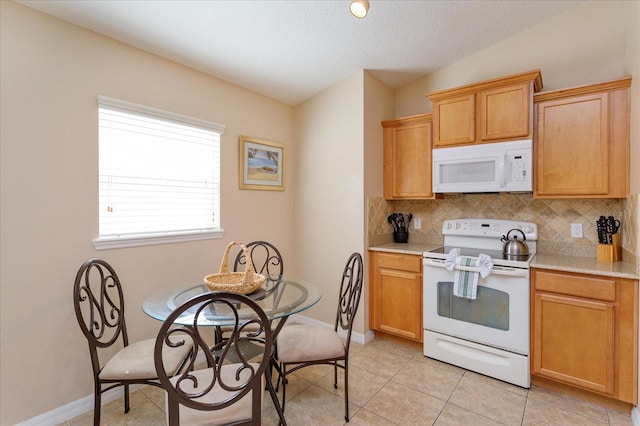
(488, 228)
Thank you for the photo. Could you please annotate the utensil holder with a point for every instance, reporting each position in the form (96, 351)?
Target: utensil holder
(610, 252)
(400, 237)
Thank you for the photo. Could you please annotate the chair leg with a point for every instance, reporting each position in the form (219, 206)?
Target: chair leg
(96, 403)
(284, 384)
(346, 391)
(126, 399)
(279, 368)
(335, 374)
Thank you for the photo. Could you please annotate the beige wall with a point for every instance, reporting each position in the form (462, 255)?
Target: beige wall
(583, 45)
(378, 105)
(329, 212)
(632, 67)
(51, 73)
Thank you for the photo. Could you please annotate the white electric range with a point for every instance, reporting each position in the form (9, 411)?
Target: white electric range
(490, 333)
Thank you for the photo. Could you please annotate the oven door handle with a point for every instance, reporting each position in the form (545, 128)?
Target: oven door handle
(496, 270)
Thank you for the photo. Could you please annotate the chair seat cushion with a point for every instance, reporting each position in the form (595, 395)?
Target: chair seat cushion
(304, 343)
(135, 361)
(240, 410)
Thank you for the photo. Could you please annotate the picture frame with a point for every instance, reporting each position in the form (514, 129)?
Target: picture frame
(261, 164)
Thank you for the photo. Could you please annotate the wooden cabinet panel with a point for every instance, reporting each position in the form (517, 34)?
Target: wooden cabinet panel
(395, 294)
(400, 309)
(601, 288)
(573, 146)
(584, 332)
(401, 262)
(486, 112)
(574, 341)
(506, 113)
(407, 158)
(454, 121)
(582, 142)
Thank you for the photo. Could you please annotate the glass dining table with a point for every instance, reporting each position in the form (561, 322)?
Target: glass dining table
(278, 297)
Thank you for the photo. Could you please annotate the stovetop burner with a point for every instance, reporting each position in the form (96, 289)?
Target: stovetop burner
(476, 236)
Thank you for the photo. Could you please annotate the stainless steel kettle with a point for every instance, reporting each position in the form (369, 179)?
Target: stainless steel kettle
(515, 247)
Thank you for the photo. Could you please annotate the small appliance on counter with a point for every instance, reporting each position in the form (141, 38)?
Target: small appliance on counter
(400, 223)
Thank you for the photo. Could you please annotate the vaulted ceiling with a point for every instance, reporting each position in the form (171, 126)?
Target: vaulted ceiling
(291, 50)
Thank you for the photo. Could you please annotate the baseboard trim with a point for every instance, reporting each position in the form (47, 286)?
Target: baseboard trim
(75, 408)
(635, 416)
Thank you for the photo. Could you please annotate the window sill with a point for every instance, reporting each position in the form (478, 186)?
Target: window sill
(153, 239)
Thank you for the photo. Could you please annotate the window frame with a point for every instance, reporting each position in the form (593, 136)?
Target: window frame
(161, 237)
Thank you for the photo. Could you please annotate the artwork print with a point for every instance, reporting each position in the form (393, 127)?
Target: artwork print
(261, 164)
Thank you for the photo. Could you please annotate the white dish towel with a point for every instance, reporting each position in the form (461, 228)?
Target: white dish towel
(465, 283)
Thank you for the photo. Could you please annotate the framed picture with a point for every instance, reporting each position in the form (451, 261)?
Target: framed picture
(262, 164)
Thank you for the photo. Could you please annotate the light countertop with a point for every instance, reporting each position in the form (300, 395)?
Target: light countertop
(405, 248)
(583, 265)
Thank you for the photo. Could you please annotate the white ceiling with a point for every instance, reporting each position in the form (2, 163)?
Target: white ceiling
(293, 49)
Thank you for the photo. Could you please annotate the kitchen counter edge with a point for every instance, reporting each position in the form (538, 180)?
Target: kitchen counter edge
(408, 248)
(585, 265)
(581, 265)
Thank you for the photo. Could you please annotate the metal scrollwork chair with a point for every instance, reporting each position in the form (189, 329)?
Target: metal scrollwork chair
(99, 305)
(305, 345)
(266, 259)
(231, 388)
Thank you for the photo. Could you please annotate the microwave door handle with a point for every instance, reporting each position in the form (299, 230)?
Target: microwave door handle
(502, 173)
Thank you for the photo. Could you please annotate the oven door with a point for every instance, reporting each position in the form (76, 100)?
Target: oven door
(498, 317)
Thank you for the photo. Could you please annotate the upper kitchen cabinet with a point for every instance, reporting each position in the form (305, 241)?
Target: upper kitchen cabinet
(490, 111)
(582, 141)
(407, 158)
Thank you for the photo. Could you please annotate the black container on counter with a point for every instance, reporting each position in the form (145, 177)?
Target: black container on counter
(400, 237)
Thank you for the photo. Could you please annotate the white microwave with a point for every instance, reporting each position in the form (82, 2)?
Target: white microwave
(490, 167)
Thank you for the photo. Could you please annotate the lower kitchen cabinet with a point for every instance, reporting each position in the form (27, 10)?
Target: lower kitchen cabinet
(395, 289)
(584, 332)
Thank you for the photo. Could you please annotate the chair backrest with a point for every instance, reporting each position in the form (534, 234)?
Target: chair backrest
(266, 259)
(232, 373)
(350, 291)
(99, 306)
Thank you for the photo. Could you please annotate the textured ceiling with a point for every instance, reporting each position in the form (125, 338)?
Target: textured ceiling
(292, 50)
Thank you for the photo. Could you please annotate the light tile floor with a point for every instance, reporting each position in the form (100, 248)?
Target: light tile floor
(393, 384)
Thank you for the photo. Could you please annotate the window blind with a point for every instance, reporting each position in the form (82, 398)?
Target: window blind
(159, 172)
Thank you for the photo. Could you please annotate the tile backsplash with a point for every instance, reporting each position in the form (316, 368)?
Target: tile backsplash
(553, 217)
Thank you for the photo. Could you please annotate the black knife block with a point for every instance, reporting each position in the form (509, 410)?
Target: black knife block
(400, 237)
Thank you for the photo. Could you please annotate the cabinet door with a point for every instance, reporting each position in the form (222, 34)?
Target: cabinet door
(454, 121)
(400, 303)
(574, 341)
(572, 156)
(505, 113)
(407, 157)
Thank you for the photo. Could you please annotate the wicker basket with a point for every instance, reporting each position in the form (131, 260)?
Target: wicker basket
(235, 282)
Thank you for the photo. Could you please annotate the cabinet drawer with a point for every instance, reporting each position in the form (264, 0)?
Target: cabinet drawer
(592, 287)
(399, 261)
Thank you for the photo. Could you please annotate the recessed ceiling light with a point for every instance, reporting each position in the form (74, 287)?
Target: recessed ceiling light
(359, 8)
